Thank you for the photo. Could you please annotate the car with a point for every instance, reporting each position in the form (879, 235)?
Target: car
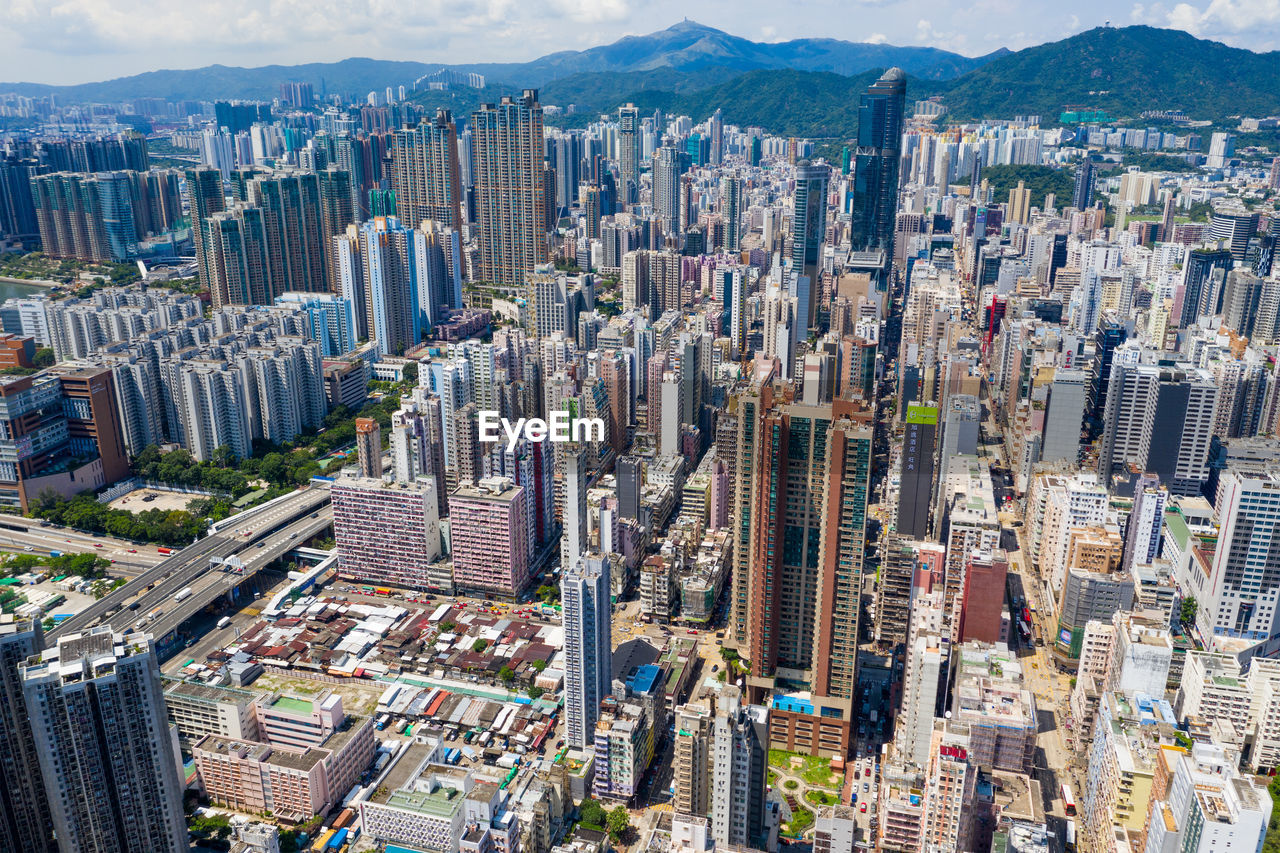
(262, 544)
(862, 808)
(28, 548)
(97, 544)
(133, 550)
(715, 667)
(868, 773)
(866, 787)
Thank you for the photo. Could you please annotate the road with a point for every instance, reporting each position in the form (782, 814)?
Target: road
(156, 585)
(212, 583)
(27, 535)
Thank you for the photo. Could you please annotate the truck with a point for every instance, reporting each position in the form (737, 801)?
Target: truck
(183, 593)
(55, 553)
(164, 551)
(339, 839)
(224, 622)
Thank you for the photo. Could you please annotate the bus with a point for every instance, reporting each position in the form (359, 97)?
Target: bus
(1068, 803)
(1071, 837)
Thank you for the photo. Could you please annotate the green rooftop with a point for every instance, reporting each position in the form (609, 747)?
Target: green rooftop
(1177, 527)
(442, 802)
(293, 704)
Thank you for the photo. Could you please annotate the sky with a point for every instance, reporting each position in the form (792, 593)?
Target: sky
(76, 41)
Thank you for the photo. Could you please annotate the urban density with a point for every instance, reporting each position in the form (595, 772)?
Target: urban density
(495, 461)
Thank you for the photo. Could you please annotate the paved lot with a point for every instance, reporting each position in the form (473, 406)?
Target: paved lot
(141, 500)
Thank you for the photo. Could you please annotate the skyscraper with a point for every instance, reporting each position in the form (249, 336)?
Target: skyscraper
(26, 822)
(629, 154)
(715, 130)
(507, 153)
(369, 447)
(584, 595)
(394, 272)
(916, 476)
(808, 230)
(236, 258)
(875, 176)
(1198, 297)
(425, 174)
(1020, 204)
(1146, 519)
(97, 709)
(731, 210)
(1082, 195)
(297, 245)
(1244, 598)
(847, 458)
(204, 198)
(669, 163)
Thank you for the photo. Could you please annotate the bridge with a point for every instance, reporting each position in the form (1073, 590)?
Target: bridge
(211, 567)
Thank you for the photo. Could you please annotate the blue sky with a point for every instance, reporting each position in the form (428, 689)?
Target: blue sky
(72, 41)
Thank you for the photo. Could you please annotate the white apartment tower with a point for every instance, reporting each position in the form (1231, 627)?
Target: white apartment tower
(584, 595)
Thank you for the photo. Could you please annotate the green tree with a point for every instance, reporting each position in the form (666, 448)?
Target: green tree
(479, 646)
(446, 627)
(506, 675)
(1187, 612)
(591, 813)
(539, 665)
(618, 822)
(533, 691)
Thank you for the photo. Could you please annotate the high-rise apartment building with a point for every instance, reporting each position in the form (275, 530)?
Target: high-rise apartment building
(297, 238)
(507, 154)
(386, 532)
(26, 821)
(847, 457)
(490, 536)
(669, 163)
(1020, 204)
(586, 614)
(425, 173)
(1243, 598)
(369, 448)
(96, 706)
(237, 258)
(731, 209)
(739, 759)
(629, 148)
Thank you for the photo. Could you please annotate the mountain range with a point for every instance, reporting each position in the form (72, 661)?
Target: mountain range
(687, 47)
(803, 87)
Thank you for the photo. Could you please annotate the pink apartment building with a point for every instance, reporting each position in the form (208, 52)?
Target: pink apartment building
(490, 538)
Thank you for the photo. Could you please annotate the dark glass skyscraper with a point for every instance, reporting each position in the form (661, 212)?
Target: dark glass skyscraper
(808, 228)
(1082, 196)
(875, 175)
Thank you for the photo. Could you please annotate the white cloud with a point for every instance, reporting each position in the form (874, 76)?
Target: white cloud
(67, 41)
(1222, 17)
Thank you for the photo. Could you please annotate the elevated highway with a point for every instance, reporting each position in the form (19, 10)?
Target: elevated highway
(258, 537)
